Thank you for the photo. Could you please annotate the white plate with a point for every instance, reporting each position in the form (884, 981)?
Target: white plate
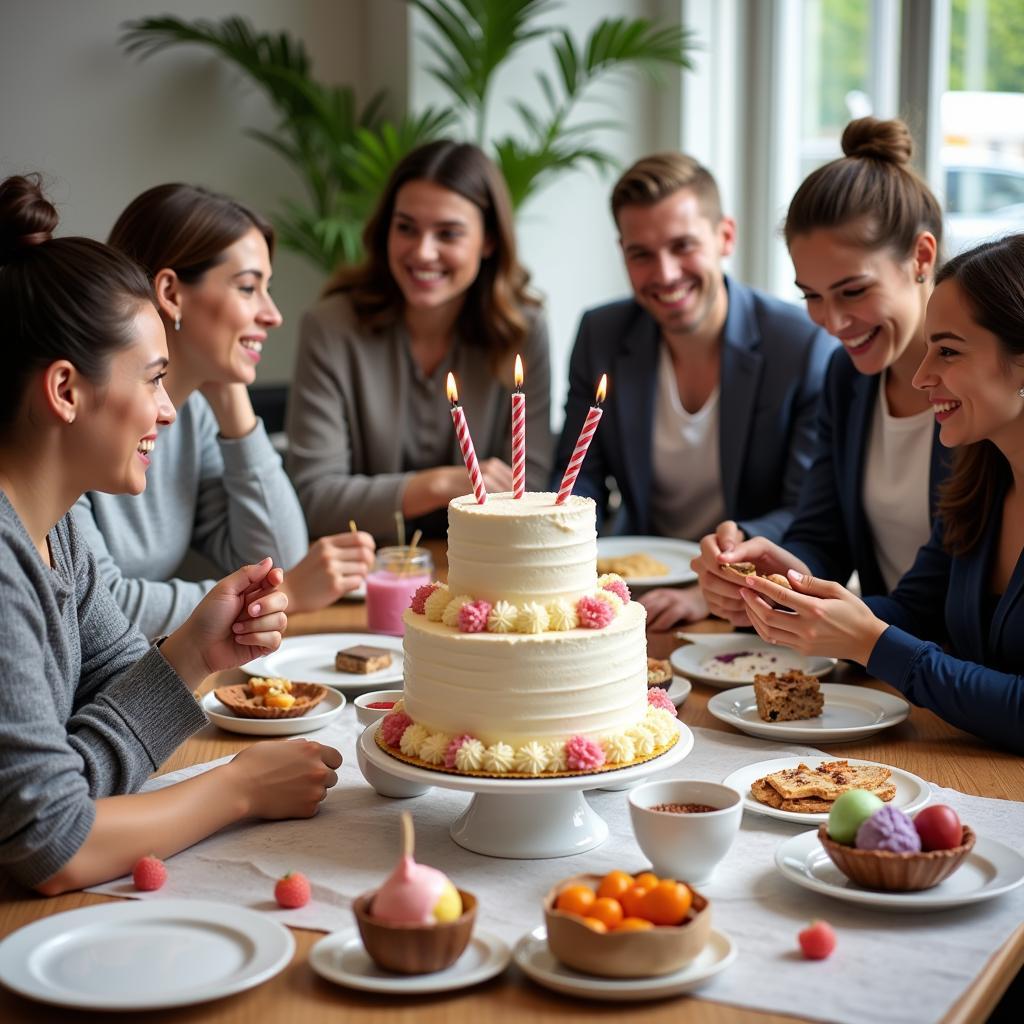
(534, 958)
(678, 690)
(850, 713)
(912, 793)
(706, 663)
(675, 554)
(310, 659)
(341, 957)
(316, 718)
(989, 870)
(144, 955)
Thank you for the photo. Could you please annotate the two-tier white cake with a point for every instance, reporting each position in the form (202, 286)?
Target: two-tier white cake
(526, 663)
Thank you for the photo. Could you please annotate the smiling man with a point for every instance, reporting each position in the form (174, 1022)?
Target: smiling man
(712, 385)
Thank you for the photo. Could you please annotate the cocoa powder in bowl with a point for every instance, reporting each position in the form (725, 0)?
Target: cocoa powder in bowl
(683, 808)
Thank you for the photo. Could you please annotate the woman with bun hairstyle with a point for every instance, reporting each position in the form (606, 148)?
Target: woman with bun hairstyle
(864, 233)
(216, 485)
(441, 290)
(88, 709)
(965, 590)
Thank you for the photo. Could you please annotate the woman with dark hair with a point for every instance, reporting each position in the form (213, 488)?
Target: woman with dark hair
(88, 710)
(217, 486)
(441, 290)
(864, 233)
(965, 590)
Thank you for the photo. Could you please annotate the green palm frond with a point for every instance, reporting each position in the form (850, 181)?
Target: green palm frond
(342, 152)
(474, 37)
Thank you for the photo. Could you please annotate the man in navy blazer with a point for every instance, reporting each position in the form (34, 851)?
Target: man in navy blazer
(712, 386)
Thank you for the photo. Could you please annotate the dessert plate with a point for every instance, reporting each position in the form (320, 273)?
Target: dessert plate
(735, 663)
(675, 555)
(912, 793)
(679, 690)
(144, 955)
(850, 712)
(310, 659)
(340, 957)
(989, 870)
(316, 718)
(534, 958)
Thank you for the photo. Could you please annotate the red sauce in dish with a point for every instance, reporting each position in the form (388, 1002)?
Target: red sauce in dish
(382, 705)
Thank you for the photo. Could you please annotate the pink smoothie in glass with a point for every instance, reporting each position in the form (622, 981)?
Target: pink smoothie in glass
(387, 596)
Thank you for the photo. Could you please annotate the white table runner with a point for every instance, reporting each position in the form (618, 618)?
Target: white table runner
(887, 966)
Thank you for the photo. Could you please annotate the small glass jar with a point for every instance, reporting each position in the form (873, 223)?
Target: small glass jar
(397, 574)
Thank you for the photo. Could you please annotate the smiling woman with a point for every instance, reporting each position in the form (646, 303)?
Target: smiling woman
(441, 291)
(965, 591)
(87, 708)
(865, 235)
(216, 485)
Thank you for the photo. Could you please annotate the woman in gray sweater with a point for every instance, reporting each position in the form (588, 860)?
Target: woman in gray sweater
(88, 709)
(369, 430)
(217, 486)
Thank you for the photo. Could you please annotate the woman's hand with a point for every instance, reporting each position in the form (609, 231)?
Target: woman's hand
(242, 617)
(284, 778)
(721, 587)
(432, 489)
(826, 619)
(333, 566)
(232, 407)
(667, 608)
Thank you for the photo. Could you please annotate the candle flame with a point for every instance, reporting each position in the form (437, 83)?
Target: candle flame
(519, 371)
(452, 390)
(602, 388)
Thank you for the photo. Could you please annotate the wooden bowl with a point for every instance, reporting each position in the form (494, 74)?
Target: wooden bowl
(640, 954)
(896, 872)
(414, 948)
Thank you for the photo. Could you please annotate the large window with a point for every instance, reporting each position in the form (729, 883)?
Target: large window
(983, 122)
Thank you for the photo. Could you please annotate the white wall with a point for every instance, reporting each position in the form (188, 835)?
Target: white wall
(103, 127)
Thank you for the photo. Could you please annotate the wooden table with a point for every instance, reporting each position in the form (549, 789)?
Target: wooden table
(923, 745)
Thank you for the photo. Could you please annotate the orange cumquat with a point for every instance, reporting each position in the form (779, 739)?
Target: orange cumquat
(633, 924)
(614, 884)
(576, 899)
(607, 910)
(667, 903)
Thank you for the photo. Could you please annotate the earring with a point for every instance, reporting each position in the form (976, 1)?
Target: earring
(920, 278)
(177, 321)
(1020, 392)
(70, 417)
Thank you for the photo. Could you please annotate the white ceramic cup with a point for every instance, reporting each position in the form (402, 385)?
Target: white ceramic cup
(687, 847)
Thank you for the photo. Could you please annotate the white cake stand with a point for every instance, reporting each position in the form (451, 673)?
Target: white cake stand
(520, 819)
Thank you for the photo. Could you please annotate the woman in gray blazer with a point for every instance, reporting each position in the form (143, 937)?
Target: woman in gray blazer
(441, 290)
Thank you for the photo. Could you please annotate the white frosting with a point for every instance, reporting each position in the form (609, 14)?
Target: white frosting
(522, 550)
(515, 688)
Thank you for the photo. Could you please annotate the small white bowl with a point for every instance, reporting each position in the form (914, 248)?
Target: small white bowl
(686, 847)
(367, 715)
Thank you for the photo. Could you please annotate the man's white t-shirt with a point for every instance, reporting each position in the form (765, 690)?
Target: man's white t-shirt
(686, 484)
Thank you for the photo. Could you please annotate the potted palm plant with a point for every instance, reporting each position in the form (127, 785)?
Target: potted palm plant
(344, 152)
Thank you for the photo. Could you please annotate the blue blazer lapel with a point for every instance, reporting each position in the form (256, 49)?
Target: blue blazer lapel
(740, 376)
(634, 378)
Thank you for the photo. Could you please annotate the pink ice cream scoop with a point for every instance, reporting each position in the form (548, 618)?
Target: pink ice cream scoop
(415, 893)
(888, 829)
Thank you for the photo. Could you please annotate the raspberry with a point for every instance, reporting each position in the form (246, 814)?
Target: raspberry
(149, 873)
(817, 940)
(292, 890)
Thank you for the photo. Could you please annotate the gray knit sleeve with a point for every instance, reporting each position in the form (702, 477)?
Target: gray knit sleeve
(246, 507)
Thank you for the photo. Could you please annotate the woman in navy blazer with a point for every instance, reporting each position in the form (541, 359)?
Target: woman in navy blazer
(951, 635)
(864, 234)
